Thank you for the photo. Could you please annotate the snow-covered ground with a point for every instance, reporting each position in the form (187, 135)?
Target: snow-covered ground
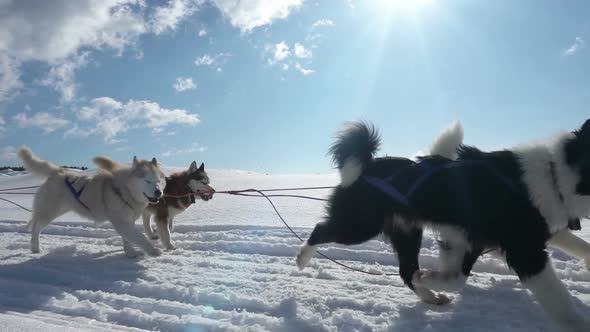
(234, 271)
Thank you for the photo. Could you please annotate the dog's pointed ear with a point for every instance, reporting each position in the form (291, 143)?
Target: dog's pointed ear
(154, 162)
(202, 167)
(135, 162)
(585, 130)
(193, 167)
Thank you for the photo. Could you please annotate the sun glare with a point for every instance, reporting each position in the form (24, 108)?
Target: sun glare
(404, 4)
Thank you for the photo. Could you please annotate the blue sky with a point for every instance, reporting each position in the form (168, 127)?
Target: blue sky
(263, 85)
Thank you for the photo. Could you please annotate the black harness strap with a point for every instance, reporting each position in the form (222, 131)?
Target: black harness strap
(385, 184)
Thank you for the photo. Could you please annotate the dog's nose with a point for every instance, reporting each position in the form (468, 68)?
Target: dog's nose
(158, 193)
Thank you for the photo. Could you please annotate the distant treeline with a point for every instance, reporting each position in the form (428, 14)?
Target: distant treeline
(20, 169)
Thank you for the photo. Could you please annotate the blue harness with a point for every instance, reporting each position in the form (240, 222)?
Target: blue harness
(385, 184)
(76, 193)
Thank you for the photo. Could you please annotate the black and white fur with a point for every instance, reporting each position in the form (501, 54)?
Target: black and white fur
(470, 208)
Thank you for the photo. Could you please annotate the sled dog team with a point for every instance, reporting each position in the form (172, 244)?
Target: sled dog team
(516, 201)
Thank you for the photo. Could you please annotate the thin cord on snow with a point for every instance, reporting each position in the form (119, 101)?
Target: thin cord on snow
(241, 193)
(18, 188)
(11, 202)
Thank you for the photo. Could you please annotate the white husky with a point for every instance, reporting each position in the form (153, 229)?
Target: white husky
(120, 197)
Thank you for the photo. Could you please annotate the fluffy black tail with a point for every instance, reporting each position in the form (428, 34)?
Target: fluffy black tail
(355, 146)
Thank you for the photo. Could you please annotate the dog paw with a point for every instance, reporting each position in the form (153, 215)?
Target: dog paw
(428, 296)
(441, 299)
(304, 256)
(154, 252)
(439, 281)
(133, 253)
(35, 250)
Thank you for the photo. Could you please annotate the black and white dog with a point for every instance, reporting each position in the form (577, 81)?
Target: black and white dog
(516, 200)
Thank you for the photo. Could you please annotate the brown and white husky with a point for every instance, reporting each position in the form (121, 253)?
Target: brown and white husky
(181, 190)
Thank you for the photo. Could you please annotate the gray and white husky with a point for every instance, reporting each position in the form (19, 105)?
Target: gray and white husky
(119, 197)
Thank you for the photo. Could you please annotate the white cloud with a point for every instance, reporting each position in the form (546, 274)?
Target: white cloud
(301, 51)
(55, 32)
(167, 17)
(578, 44)
(313, 35)
(202, 32)
(250, 14)
(47, 122)
(109, 118)
(10, 83)
(322, 23)
(195, 147)
(2, 124)
(205, 60)
(281, 52)
(51, 31)
(285, 66)
(303, 70)
(351, 6)
(61, 76)
(8, 153)
(215, 60)
(183, 84)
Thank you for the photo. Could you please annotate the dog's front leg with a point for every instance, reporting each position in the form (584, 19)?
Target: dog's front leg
(536, 273)
(407, 241)
(171, 224)
(129, 250)
(571, 244)
(164, 232)
(129, 233)
(146, 216)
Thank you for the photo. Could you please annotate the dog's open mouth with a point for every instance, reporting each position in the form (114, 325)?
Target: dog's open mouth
(152, 200)
(206, 195)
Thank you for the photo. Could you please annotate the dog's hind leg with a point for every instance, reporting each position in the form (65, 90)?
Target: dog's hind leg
(129, 233)
(149, 232)
(42, 216)
(164, 232)
(571, 244)
(406, 241)
(536, 273)
(35, 227)
(457, 263)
